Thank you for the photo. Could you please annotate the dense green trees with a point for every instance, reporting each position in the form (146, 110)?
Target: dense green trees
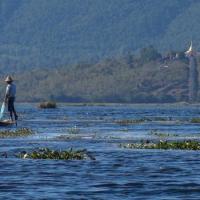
(57, 32)
(42, 41)
(149, 54)
(119, 79)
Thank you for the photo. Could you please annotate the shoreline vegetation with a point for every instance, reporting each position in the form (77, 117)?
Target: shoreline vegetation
(110, 104)
(124, 68)
(150, 77)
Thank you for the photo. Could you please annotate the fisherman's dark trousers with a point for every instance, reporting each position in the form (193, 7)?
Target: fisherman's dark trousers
(11, 107)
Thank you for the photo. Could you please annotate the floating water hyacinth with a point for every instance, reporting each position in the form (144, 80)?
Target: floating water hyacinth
(74, 130)
(160, 134)
(68, 137)
(125, 122)
(46, 153)
(23, 132)
(181, 145)
(195, 120)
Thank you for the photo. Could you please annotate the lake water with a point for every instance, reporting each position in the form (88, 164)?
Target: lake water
(116, 173)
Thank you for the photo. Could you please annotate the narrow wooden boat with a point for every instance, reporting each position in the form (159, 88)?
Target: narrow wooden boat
(6, 122)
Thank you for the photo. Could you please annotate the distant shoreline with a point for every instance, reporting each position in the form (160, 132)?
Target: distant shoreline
(117, 104)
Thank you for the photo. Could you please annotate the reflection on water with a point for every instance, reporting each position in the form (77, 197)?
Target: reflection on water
(116, 173)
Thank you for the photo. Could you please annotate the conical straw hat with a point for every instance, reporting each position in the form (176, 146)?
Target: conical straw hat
(8, 79)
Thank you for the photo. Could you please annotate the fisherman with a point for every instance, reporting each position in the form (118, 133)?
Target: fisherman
(10, 97)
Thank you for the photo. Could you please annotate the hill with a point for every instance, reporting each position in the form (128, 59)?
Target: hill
(130, 79)
(50, 33)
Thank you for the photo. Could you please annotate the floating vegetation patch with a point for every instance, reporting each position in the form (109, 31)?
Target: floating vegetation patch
(68, 137)
(93, 137)
(124, 130)
(160, 134)
(181, 145)
(46, 153)
(195, 120)
(48, 104)
(107, 137)
(125, 122)
(73, 131)
(23, 132)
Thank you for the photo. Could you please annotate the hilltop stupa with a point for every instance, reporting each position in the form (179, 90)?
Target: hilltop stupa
(190, 51)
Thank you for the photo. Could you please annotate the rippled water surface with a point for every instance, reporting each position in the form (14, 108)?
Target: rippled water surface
(116, 173)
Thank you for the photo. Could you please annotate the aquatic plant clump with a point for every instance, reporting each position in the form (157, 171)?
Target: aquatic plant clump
(160, 134)
(23, 132)
(48, 104)
(46, 153)
(125, 122)
(195, 120)
(67, 137)
(74, 130)
(176, 145)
